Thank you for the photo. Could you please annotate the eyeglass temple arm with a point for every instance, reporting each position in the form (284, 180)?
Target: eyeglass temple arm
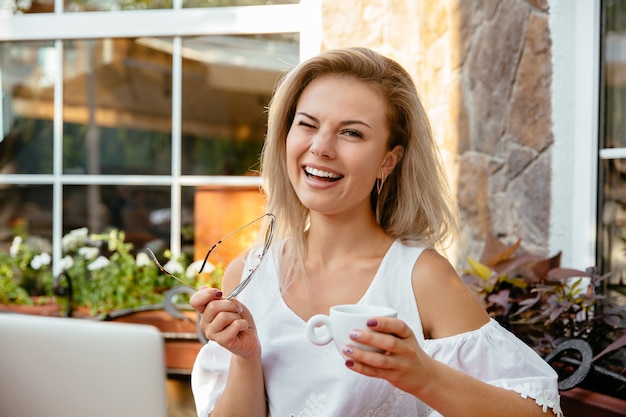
(216, 244)
(165, 271)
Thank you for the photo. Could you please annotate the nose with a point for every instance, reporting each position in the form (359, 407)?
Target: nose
(322, 144)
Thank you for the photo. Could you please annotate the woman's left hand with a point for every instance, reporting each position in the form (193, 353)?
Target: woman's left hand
(403, 362)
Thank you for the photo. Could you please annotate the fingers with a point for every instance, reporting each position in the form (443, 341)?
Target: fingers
(225, 328)
(396, 342)
(402, 361)
(387, 335)
(220, 319)
(204, 296)
(391, 326)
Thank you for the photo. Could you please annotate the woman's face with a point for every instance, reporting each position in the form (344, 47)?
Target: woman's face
(337, 144)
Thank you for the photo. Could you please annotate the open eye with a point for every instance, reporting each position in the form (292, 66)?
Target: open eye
(352, 133)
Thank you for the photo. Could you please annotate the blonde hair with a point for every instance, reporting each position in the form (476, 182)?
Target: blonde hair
(414, 205)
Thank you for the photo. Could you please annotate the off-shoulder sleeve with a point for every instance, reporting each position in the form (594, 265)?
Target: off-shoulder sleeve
(496, 356)
(208, 377)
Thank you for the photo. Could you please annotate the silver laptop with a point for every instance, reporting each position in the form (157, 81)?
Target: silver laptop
(63, 367)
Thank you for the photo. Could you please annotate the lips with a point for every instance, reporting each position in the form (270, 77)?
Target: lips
(321, 175)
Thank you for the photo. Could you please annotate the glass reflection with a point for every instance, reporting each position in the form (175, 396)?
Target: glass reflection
(615, 90)
(226, 87)
(114, 5)
(613, 216)
(612, 208)
(47, 6)
(27, 72)
(218, 211)
(25, 207)
(222, 3)
(116, 108)
(143, 212)
(187, 220)
(27, 6)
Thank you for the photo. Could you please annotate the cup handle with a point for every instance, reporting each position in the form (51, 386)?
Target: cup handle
(319, 338)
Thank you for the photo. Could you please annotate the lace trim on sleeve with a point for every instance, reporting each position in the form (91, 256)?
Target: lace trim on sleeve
(543, 398)
(496, 356)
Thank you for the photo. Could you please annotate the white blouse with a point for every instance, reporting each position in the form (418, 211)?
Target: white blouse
(305, 380)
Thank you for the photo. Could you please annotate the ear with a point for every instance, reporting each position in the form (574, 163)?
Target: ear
(391, 159)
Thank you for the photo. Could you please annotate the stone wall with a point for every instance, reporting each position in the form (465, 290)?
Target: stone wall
(483, 70)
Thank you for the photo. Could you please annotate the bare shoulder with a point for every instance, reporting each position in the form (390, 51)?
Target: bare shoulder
(446, 305)
(232, 274)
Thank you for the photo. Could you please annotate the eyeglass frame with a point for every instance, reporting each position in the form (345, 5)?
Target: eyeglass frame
(269, 235)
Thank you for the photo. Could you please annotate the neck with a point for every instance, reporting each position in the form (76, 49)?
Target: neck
(342, 256)
(335, 238)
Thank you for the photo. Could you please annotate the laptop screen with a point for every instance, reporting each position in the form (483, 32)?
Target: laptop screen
(52, 366)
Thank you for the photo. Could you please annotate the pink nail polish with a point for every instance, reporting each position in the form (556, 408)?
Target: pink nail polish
(355, 334)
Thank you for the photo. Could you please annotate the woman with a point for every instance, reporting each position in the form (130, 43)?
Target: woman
(353, 176)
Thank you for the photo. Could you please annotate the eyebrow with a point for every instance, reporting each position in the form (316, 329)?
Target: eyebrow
(343, 123)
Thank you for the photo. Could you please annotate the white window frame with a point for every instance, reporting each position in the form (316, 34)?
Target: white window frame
(575, 28)
(303, 18)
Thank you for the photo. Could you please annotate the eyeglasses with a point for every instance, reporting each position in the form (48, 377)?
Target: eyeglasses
(269, 234)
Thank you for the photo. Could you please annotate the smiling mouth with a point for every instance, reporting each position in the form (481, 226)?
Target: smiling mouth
(320, 175)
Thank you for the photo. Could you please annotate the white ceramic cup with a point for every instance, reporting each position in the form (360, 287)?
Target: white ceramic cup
(322, 328)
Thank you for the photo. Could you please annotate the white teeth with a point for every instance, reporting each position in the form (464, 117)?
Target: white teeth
(320, 173)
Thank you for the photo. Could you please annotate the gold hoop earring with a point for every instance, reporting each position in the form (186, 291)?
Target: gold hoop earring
(379, 182)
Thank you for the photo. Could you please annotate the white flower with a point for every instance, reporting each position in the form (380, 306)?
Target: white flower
(15, 246)
(67, 262)
(112, 240)
(40, 260)
(174, 267)
(143, 259)
(194, 268)
(88, 253)
(75, 239)
(99, 263)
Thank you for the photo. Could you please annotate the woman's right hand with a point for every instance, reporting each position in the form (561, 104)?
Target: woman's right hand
(227, 322)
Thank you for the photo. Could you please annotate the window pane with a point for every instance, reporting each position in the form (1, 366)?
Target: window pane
(27, 72)
(219, 211)
(226, 87)
(28, 206)
(614, 215)
(143, 212)
(27, 6)
(612, 235)
(187, 221)
(116, 108)
(220, 3)
(615, 74)
(114, 5)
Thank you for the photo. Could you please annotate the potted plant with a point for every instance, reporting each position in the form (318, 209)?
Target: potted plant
(102, 278)
(565, 314)
(26, 279)
(103, 271)
(100, 274)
